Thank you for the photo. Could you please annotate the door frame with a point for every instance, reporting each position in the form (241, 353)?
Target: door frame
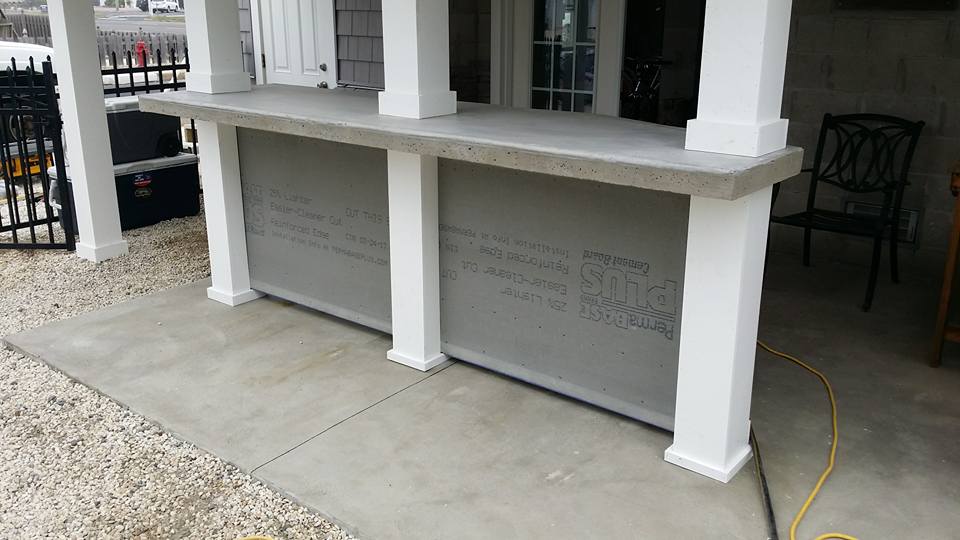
(511, 31)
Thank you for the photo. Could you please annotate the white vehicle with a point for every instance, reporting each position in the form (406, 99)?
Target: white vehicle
(21, 53)
(165, 6)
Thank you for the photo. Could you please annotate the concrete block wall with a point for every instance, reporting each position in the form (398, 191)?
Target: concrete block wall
(905, 63)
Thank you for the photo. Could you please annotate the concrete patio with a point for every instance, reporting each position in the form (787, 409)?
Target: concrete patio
(309, 404)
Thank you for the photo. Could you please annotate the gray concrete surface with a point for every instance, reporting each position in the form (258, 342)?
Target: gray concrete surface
(463, 453)
(590, 147)
(246, 383)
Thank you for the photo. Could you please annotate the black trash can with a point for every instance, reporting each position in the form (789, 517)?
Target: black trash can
(148, 191)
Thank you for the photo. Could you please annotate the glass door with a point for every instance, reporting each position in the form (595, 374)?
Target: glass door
(564, 54)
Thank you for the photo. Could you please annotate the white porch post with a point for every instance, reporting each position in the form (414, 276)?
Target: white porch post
(416, 59)
(741, 78)
(213, 32)
(726, 242)
(417, 77)
(87, 140)
(744, 54)
(414, 260)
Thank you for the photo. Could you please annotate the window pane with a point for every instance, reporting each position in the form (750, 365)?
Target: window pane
(561, 101)
(540, 100)
(585, 62)
(587, 15)
(583, 103)
(565, 11)
(541, 65)
(544, 15)
(563, 67)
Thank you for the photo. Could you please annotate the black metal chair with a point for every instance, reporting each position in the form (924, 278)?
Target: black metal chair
(860, 153)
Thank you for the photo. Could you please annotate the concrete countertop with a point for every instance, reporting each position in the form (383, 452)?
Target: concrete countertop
(573, 145)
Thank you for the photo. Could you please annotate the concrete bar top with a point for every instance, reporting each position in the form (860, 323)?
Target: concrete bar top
(574, 145)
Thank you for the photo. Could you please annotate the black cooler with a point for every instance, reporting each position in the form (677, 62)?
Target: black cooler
(148, 191)
(136, 136)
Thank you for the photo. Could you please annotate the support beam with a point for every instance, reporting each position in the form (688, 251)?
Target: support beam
(741, 78)
(414, 260)
(77, 65)
(726, 245)
(216, 61)
(416, 59)
(223, 205)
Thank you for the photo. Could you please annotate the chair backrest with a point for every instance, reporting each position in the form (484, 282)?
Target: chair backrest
(865, 152)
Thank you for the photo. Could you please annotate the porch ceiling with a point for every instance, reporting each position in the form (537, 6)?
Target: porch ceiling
(590, 147)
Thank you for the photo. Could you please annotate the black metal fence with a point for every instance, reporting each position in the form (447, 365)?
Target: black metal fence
(143, 72)
(30, 142)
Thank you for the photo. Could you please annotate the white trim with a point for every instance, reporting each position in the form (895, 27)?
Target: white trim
(103, 252)
(257, 29)
(609, 56)
(500, 29)
(514, 73)
(233, 299)
(522, 68)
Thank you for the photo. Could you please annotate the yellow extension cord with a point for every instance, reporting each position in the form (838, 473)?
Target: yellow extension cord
(833, 447)
(823, 476)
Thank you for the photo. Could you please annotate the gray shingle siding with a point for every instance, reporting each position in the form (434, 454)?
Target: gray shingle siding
(360, 46)
(360, 43)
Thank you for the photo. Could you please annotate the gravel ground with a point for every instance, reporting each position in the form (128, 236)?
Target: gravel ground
(73, 463)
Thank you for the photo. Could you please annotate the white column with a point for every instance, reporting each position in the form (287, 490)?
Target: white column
(417, 85)
(77, 65)
(414, 260)
(213, 35)
(223, 206)
(416, 59)
(216, 67)
(726, 244)
(741, 78)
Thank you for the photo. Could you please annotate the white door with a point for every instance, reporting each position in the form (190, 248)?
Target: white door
(299, 42)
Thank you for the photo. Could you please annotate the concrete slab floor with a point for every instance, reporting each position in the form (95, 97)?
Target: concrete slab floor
(460, 452)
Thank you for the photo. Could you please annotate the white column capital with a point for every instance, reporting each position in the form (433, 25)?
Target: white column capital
(213, 35)
(741, 78)
(416, 59)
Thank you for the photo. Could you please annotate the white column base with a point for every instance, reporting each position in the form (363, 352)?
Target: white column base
(425, 364)
(418, 105)
(722, 474)
(723, 279)
(753, 140)
(233, 299)
(102, 253)
(218, 83)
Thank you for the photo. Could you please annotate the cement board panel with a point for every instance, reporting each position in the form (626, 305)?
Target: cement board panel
(316, 220)
(570, 285)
